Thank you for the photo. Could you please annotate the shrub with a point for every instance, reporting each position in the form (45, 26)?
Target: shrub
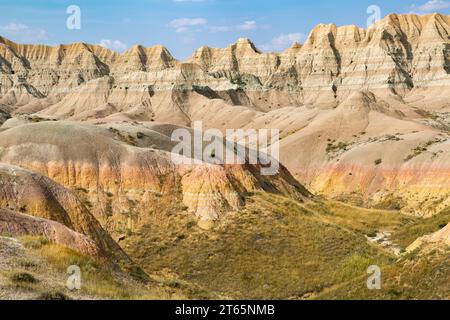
(22, 277)
(172, 284)
(340, 146)
(53, 295)
(33, 242)
(140, 135)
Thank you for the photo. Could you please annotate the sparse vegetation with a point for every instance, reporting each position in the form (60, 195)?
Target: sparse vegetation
(297, 246)
(422, 148)
(429, 280)
(33, 242)
(352, 267)
(334, 147)
(123, 136)
(140, 135)
(391, 202)
(97, 280)
(53, 295)
(418, 227)
(22, 278)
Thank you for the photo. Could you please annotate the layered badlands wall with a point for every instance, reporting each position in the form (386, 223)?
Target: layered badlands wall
(401, 53)
(344, 84)
(120, 179)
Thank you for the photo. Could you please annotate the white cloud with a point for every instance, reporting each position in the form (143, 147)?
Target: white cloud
(183, 24)
(186, 24)
(247, 25)
(430, 6)
(114, 45)
(23, 33)
(283, 41)
(434, 5)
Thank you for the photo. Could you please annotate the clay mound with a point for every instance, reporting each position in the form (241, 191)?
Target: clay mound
(81, 100)
(146, 135)
(17, 224)
(366, 101)
(112, 160)
(441, 236)
(31, 193)
(365, 147)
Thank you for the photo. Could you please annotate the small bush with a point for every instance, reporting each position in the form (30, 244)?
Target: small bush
(33, 242)
(140, 135)
(82, 190)
(172, 284)
(372, 233)
(191, 224)
(22, 277)
(27, 264)
(333, 148)
(53, 295)
(354, 266)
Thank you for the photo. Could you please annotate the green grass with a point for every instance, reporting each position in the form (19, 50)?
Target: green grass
(22, 278)
(333, 147)
(33, 242)
(353, 267)
(423, 274)
(274, 249)
(97, 280)
(416, 276)
(53, 295)
(421, 226)
(365, 221)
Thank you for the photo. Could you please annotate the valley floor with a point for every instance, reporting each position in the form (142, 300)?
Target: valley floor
(276, 248)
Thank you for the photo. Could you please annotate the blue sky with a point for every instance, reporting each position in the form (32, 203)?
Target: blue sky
(184, 25)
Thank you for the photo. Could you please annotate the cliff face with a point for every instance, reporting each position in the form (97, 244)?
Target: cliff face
(363, 113)
(401, 54)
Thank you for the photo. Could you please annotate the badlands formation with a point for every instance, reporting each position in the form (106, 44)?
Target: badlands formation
(85, 132)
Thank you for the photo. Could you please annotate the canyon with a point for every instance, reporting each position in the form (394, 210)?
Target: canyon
(363, 116)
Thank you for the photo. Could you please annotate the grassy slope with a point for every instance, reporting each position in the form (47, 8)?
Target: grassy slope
(416, 276)
(38, 270)
(423, 274)
(420, 227)
(274, 249)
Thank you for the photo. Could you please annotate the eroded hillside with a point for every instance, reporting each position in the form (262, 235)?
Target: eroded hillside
(86, 163)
